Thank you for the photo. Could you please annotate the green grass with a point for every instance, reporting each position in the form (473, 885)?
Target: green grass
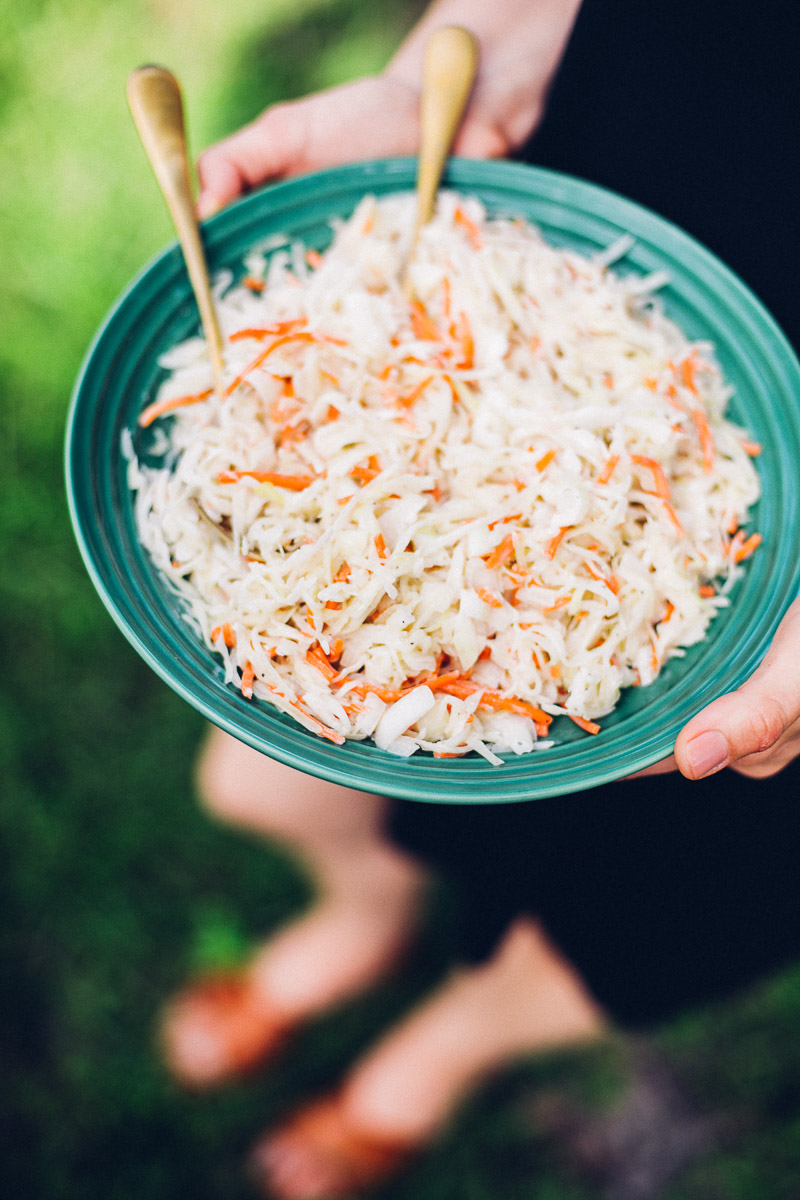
(114, 887)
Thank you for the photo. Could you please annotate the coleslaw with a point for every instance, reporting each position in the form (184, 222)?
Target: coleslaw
(443, 522)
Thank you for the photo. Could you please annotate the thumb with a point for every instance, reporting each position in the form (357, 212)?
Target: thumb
(269, 147)
(751, 720)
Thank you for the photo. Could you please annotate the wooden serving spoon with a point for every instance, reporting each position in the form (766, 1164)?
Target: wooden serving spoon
(154, 97)
(448, 73)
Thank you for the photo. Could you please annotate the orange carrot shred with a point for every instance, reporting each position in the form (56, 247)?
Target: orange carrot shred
(747, 548)
(501, 552)
(463, 332)
(276, 329)
(228, 636)
(422, 325)
(471, 229)
(659, 478)
(153, 411)
(489, 598)
(559, 603)
(706, 439)
(315, 656)
(555, 541)
(248, 678)
(673, 516)
(707, 590)
(545, 460)
(293, 483)
(380, 545)
(608, 469)
(751, 448)
(582, 723)
(415, 393)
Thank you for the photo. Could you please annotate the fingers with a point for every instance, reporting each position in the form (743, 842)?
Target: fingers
(369, 118)
(755, 729)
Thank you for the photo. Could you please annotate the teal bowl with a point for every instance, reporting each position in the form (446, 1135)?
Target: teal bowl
(120, 376)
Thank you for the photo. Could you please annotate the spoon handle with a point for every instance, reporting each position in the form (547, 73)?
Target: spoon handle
(451, 60)
(154, 97)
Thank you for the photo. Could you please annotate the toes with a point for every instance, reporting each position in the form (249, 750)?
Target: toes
(317, 1155)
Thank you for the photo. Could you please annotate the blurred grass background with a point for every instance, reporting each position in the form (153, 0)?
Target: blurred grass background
(114, 887)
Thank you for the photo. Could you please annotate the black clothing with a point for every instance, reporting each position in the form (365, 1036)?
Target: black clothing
(664, 893)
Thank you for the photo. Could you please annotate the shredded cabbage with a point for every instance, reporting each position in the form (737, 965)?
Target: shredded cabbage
(442, 523)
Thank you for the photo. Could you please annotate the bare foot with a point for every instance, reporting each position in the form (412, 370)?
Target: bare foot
(527, 998)
(363, 920)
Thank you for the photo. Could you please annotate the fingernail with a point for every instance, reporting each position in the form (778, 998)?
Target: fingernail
(707, 752)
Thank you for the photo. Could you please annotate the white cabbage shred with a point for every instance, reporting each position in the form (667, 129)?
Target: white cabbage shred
(443, 523)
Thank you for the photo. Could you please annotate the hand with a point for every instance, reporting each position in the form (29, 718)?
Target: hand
(521, 45)
(754, 730)
(372, 117)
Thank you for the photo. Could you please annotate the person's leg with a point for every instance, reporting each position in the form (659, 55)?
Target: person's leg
(364, 914)
(525, 998)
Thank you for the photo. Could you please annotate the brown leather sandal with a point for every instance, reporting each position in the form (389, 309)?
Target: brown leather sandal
(315, 1154)
(219, 1028)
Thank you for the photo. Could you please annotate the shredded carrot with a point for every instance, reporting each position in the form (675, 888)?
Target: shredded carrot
(496, 701)
(650, 383)
(380, 546)
(255, 285)
(472, 230)
(555, 671)
(446, 296)
(688, 368)
(559, 603)
(323, 730)
(505, 520)
(545, 460)
(293, 483)
(337, 647)
(414, 395)
(302, 335)
(670, 609)
(463, 333)
(555, 541)
(276, 329)
(707, 590)
(422, 325)
(248, 678)
(751, 448)
(364, 474)
(332, 414)
(582, 723)
(659, 478)
(315, 656)
(501, 552)
(673, 516)
(747, 548)
(608, 469)
(228, 636)
(314, 259)
(489, 598)
(343, 574)
(153, 411)
(706, 439)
